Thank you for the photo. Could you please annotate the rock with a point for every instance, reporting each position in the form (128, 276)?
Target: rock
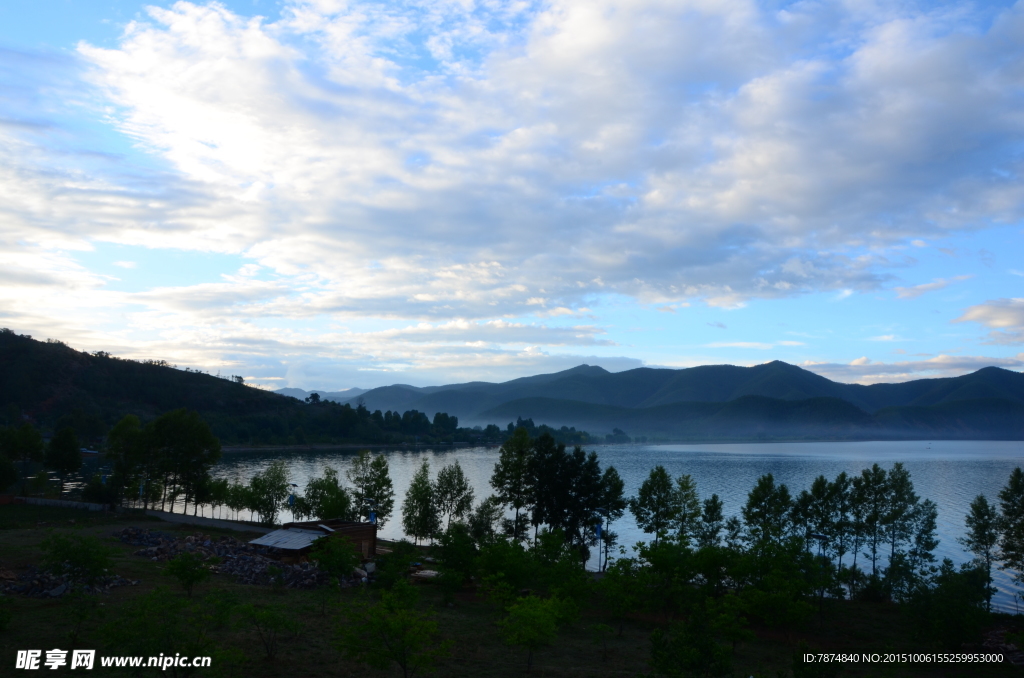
(59, 591)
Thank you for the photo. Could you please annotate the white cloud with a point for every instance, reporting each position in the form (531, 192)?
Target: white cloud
(462, 164)
(918, 290)
(866, 371)
(1005, 317)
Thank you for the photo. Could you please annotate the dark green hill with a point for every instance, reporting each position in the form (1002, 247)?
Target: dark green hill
(55, 385)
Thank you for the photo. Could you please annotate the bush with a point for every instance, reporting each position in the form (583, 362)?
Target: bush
(189, 569)
(269, 622)
(84, 559)
(950, 610)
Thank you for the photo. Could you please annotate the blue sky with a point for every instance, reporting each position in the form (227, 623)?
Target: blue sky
(329, 194)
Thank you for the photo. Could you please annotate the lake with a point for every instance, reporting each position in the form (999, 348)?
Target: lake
(950, 473)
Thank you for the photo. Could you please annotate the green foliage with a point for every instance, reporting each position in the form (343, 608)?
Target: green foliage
(372, 490)
(599, 634)
(393, 567)
(950, 609)
(453, 494)
(532, 622)
(269, 622)
(689, 649)
(392, 632)
(79, 608)
(767, 511)
(337, 556)
(420, 516)
(267, 492)
(190, 570)
(63, 454)
(161, 622)
(656, 505)
(325, 499)
(485, 521)
(457, 553)
(511, 478)
(82, 558)
(620, 590)
(1011, 538)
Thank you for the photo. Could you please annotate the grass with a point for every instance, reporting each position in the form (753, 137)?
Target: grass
(471, 623)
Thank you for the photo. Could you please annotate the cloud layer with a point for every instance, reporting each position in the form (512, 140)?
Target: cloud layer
(478, 174)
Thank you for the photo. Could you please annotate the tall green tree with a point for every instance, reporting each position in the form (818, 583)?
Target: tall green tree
(900, 504)
(982, 538)
(611, 506)
(532, 622)
(127, 448)
(656, 504)
(685, 522)
(1011, 537)
(512, 479)
(712, 522)
(767, 511)
(372, 490)
(420, 517)
(187, 449)
(267, 491)
(453, 493)
(64, 454)
(324, 499)
(871, 490)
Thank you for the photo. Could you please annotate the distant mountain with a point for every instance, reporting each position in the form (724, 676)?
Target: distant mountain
(646, 388)
(336, 396)
(55, 385)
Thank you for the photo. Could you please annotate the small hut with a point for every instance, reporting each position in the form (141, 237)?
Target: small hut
(296, 539)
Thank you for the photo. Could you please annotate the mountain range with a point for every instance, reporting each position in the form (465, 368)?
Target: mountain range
(54, 385)
(773, 399)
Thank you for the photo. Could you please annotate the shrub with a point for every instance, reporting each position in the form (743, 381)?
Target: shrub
(84, 559)
(189, 569)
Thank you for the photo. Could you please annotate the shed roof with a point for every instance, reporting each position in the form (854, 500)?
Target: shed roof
(290, 538)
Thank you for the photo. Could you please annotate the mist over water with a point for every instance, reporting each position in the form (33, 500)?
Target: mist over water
(950, 473)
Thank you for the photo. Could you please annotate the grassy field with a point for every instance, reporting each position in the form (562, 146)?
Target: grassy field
(471, 623)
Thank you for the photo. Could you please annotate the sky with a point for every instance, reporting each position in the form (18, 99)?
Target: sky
(331, 194)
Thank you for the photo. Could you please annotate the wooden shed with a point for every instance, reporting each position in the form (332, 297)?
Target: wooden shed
(296, 539)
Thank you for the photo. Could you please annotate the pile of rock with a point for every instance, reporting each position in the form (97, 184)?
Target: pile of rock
(42, 584)
(248, 564)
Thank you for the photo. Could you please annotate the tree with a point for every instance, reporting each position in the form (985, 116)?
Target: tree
(420, 517)
(189, 569)
(685, 521)
(64, 454)
(267, 492)
(982, 538)
(767, 511)
(656, 504)
(486, 519)
(269, 622)
(126, 448)
(22, 444)
(372, 491)
(511, 478)
(187, 449)
(712, 521)
(531, 623)
(325, 499)
(1011, 538)
(452, 492)
(612, 504)
(392, 631)
(871, 491)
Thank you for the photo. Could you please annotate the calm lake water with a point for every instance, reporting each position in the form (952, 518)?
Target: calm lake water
(950, 473)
